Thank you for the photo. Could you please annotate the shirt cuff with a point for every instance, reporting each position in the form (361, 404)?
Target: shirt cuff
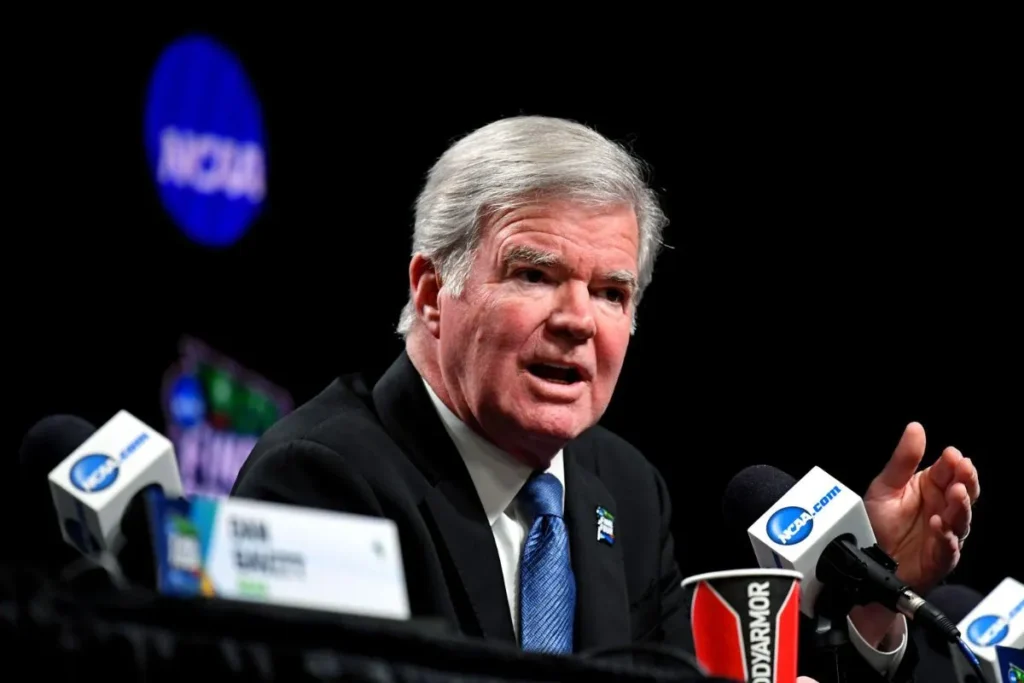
(885, 663)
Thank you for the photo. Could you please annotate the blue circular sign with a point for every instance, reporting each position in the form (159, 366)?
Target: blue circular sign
(204, 141)
(94, 472)
(988, 630)
(187, 404)
(790, 525)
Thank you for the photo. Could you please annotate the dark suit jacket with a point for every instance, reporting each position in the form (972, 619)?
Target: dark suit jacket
(381, 449)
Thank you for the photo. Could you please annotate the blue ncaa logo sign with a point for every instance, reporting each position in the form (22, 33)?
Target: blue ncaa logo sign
(790, 525)
(988, 630)
(204, 141)
(187, 405)
(94, 472)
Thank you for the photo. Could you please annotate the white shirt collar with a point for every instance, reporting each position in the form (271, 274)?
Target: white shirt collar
(497, 476)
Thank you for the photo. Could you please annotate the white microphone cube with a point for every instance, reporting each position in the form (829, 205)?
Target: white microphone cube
(997, 621)
(92, 486)
(794, 532)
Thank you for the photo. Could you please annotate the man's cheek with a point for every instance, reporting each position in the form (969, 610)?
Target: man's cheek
(510, 334)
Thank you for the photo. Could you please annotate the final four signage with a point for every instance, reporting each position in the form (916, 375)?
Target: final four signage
(205, 142)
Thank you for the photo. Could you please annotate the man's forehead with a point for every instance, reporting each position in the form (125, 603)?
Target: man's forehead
(557, 216)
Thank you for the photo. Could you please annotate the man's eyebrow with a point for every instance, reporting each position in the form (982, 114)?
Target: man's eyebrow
(521, 254)
(622, 277)
(536, 257)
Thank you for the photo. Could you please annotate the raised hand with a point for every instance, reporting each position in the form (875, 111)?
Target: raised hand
(921, 519)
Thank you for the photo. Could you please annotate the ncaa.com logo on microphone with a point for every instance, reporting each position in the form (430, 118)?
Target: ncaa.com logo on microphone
(793, 524)
(96, 472)
(989, 630)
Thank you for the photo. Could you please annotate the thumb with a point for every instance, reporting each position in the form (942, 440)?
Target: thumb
(905, 459)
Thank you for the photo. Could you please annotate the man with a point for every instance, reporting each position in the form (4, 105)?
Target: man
(534, 240)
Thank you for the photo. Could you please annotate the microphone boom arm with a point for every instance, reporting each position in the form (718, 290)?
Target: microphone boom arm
(861, 576)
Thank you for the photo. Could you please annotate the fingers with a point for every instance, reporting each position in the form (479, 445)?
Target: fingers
(905, 459)
(805, 679)
(967, 474)
(956, 516)
(945, 468)
(947, 546)
(952, 467)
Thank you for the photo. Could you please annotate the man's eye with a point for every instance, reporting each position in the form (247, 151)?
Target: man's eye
(615, 295)
(531, 275)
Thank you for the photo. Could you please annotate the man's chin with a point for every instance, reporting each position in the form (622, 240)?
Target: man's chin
(551, 426)
(534, 431)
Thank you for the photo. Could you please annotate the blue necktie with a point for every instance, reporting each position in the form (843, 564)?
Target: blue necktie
(547, 588)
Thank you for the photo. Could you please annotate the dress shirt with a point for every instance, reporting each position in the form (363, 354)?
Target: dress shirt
(498, 477)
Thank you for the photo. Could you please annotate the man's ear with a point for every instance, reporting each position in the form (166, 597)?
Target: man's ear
(425, 282)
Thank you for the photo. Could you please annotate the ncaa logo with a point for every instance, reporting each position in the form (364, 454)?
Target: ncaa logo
(204, 141)
(187, 404)
(790, 525)
(988, 630)
(94, 472)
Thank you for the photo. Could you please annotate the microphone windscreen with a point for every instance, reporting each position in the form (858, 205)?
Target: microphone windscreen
(751, 492)
(955, 601)
(51, 440)
(45, 445)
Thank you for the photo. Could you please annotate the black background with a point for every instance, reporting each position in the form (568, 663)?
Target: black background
(843, 251)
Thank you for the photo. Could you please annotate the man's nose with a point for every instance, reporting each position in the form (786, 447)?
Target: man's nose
(574, 312)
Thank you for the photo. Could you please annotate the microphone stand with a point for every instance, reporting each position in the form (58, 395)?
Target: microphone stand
(831, 638)
(843, 570)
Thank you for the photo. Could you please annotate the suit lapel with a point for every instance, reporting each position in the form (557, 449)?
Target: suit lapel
(602, 605)
(459, 522)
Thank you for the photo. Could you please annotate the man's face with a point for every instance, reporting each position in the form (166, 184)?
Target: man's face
(532, 349)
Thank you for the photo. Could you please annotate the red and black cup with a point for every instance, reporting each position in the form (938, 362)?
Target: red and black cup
(746, 623)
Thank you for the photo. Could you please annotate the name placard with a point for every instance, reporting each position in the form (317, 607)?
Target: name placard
(278, 554)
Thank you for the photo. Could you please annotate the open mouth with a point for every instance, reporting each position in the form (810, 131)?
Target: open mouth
(560, 374)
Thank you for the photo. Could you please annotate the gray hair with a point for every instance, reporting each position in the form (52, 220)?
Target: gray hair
(514, 162)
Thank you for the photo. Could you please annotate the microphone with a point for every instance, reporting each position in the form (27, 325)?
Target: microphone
(994, 627)
(118, 501)
(820, 528)
(934, 664)
(91, 488)
(43, 447)
(955, 600)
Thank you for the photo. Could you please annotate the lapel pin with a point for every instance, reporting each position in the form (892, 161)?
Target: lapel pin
(605, 526)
